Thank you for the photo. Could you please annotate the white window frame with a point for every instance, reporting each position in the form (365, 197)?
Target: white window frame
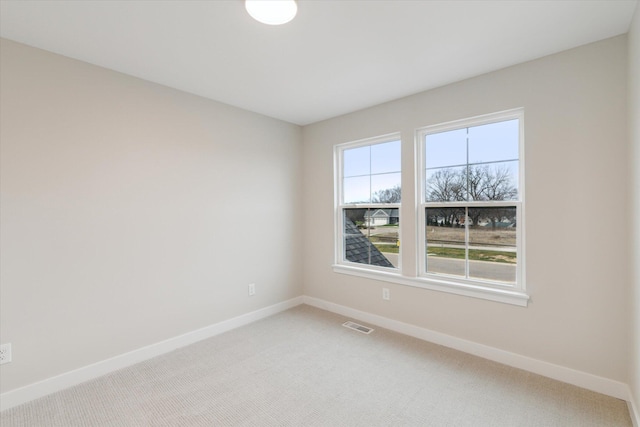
(509, 294)
(339, 206)
(513, 293)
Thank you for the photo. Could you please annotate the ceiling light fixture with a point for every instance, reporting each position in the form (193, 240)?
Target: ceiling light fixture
(272, 12)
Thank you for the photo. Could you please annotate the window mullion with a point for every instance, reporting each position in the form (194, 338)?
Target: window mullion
(369, 236)
(370, 188)
(466, 242)
(466, 214)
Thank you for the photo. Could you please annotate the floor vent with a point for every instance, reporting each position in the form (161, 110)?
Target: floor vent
(357, 327)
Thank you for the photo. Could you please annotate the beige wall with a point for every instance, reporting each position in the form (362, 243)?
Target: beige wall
(576, 210)
(133, 213)
(634, 141)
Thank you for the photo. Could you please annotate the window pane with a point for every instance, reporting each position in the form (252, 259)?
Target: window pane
(357, 161)
(371, 236)
(445, 237)
(385, 188)
(385, 157)
(357, 189)
(494, 142)
(492, 244)
(494, 181)
(446, 149)
(446, 184)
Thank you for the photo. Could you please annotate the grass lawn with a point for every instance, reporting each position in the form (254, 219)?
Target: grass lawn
(475, 254)
(390, 249)
(456, 253)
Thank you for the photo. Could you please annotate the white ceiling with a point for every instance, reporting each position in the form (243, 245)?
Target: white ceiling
(333, 58)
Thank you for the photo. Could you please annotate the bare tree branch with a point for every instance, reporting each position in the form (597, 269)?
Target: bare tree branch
(389, 195)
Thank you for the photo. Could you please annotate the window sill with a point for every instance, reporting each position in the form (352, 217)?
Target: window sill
(492, 294)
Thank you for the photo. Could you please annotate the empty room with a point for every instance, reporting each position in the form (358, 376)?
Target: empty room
(320, 213)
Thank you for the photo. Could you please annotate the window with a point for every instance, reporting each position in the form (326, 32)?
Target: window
(471, 202)
(368, 183)
(468, 215)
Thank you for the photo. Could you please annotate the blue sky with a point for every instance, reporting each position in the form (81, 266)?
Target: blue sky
(369, 169)
(487, 143)
(377, 167)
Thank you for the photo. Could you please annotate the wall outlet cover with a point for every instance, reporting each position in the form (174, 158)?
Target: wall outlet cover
(5, 353)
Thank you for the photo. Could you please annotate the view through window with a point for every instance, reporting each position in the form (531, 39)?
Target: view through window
(370, 202)
(471, 201)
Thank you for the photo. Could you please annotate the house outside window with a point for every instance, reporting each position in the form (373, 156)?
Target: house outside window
(368, 196)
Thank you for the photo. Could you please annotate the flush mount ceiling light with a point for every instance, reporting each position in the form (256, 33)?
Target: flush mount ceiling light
(272, 12)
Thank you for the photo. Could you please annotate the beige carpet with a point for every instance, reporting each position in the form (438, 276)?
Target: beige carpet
(302, 368)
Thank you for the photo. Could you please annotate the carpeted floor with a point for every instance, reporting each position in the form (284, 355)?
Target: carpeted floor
(302, 368)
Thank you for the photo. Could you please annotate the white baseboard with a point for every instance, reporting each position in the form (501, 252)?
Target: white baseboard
(51, 385)
(581, 379)
(634, 410)
(571, 376)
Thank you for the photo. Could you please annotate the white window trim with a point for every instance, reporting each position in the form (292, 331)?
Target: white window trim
(339, 206)
(514, 295)
(517, 290)
(470, 290)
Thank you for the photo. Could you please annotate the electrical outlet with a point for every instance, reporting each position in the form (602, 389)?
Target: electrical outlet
(252, 289)
(5, 353)
(385, 294)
